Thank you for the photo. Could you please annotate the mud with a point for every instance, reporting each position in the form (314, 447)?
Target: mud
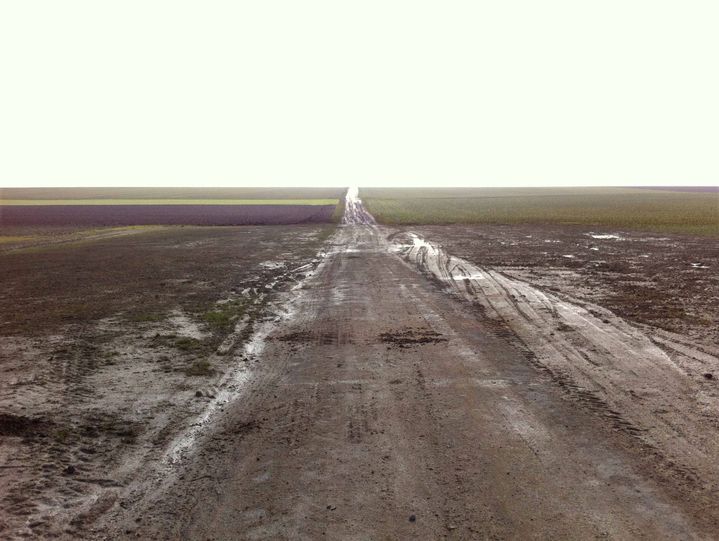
(354, 212)
(411, 337)
(392, 388)
(666, 281)
(109, 358)
(159, 214)
(649, 382)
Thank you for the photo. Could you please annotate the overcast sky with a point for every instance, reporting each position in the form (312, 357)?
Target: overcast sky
(387, 92)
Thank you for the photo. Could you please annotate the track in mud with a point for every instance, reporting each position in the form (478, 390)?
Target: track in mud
(385, 408)
(625, 373)
(355, 213)
(380, 406)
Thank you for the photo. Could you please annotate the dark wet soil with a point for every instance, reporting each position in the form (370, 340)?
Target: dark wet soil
(18, 425)
(668, 281)
(411, 337)
(387, 409)
(105, 345)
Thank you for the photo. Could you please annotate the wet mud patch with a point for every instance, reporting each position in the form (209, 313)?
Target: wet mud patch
(333, 335)
(297, 337)
(411, 337)
(106, 426)
(20, 426)
(122, 343)
(664, 280)
(240, 428)
(648, 383)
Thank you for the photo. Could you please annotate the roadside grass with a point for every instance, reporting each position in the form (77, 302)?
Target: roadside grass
(185, 343)
(650, 210)
(223, 316)
(200, 367)
(218, 319)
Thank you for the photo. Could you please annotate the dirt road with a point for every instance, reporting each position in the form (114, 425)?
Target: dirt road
(388, 409)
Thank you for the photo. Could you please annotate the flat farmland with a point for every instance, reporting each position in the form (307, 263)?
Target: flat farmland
(665, 280)
(688, 211)
(171, 193)
(396, 376)
(109, 344)
(126, 207)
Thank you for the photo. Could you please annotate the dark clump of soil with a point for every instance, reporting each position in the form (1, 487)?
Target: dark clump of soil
(17, 425)
(411, 337)
(301, 337)
(243, 427)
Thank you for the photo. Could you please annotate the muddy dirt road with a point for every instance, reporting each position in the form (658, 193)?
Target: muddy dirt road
(386, 408)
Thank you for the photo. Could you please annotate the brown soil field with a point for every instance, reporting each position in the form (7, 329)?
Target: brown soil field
(171, 193)
(669, 281)
(358, 382)
(109, 344)
(158, 214)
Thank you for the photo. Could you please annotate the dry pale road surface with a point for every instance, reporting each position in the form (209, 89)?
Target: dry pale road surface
(387, 409)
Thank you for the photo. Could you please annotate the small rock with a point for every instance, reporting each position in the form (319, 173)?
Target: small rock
(198, 394)
(412, 518)
(70, 470)
(451, 527)
(331, 507)
(709, 375)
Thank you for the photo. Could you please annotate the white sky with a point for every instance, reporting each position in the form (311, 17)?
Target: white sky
(386, 92)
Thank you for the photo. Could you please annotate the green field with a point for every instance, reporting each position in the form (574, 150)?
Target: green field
(159, 201)
(630, 208)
